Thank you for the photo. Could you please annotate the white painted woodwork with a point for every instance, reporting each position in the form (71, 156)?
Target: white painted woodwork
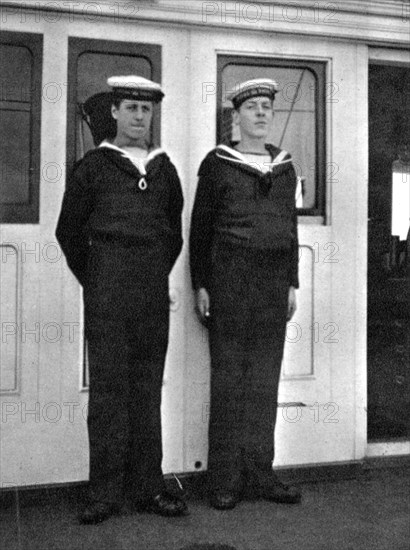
(43, 427)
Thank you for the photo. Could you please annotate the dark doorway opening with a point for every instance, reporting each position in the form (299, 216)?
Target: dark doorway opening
(388, 253)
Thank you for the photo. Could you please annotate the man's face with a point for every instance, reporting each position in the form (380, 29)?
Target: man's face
(133, 120)
(254, 117)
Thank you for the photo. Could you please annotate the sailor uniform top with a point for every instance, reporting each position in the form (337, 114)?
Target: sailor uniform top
(240, 203)
(110, 196)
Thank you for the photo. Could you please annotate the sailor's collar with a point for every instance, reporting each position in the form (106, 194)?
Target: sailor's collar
(230, 154)
(140, 164)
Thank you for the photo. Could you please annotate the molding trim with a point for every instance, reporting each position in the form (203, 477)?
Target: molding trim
(385, 449)
(195, 483)
(14, 374)
(374, 22)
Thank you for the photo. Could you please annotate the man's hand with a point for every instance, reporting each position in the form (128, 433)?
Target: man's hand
(202, 304)
(291, 303)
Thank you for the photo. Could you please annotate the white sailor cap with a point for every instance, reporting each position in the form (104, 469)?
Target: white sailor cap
(253, 88)
(135, 87)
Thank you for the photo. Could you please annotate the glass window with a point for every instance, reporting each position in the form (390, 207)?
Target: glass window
(20, 99)
(299, 116)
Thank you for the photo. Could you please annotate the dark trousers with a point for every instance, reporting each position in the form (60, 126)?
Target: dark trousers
(127, 320)
(249, 298)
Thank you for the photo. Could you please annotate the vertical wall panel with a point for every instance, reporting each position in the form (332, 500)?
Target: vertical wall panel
(298, 357)
(8, 318)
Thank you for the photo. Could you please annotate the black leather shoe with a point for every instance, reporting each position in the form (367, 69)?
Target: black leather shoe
(96, 512)
(223, 499)
(163, 504)
(277, 491)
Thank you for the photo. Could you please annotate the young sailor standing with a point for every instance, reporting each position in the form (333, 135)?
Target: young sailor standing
(120, 230)
(244, 266)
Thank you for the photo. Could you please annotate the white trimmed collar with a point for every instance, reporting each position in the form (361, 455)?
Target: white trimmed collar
(237, 156)
(140, 164)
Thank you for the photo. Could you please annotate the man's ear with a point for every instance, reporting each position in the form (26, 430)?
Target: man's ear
(236, 117)
(114, 112)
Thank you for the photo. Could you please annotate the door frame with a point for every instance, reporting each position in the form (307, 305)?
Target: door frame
(387, 56)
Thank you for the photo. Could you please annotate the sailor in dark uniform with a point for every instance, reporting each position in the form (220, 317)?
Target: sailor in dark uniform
(120, 230)
(244, 266)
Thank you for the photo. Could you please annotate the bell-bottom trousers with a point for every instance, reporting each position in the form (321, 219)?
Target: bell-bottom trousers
(126, 326)
(249, 298)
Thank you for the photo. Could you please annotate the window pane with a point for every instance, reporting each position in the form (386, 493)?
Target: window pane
(15, 124)
(15, 157)
(95, 68)
(294, 126)
(15, 75)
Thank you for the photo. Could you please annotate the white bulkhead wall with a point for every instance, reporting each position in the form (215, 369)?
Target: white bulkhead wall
(53, 452)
